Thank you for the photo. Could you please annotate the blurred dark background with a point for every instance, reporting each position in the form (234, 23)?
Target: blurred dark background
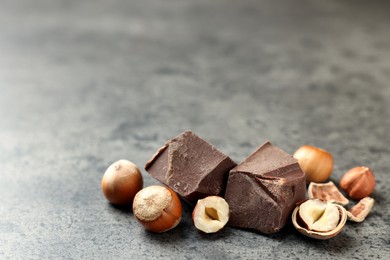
(85, 83)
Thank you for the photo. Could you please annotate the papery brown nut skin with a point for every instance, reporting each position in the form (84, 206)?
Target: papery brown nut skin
(121, 181)
(358, 182)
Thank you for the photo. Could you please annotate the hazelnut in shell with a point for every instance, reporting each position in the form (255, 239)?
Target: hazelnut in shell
(358, 182)
(318, 219)
(157, 208)
(316, 163)
(121, 181)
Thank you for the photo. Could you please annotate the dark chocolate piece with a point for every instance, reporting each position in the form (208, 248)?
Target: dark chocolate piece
(191, 167)
(263, 189)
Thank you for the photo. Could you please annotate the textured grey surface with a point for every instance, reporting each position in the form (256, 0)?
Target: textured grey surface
(84, 83)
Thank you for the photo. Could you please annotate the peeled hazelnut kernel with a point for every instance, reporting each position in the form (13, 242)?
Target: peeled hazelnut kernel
(319, 216)
(358, 182)
(360, 211)
(318, 219)
(157, 208)
(211, 214)
(327, 192)
(121, 181)
(316, 163)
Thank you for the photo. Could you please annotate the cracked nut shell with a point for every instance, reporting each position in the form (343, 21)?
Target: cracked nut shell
(360, 211)
(317, 213)
(326, 192)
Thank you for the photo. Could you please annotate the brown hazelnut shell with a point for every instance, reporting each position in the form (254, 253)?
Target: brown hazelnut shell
(316, 163)
(121, 181)
(326, 192)
(361, 210)
(166, 219)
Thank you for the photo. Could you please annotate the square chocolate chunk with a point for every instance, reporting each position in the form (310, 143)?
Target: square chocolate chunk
(263, 189)
(191, 167)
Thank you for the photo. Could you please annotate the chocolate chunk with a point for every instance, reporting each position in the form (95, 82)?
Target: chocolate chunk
(263, 189)
(191, 167)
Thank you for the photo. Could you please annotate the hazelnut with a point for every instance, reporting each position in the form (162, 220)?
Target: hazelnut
(358, 182)
(210, 214)
(327, 192)
(157, 208)
(121, 181)
(316, 163)
(319, 216)
(318, 219)
(360, 211)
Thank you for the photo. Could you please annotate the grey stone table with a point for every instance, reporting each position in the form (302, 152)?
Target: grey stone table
(85, 83)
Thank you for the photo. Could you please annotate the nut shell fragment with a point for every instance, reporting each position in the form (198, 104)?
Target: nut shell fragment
(299, 225)
(326, 192)
(360, 211)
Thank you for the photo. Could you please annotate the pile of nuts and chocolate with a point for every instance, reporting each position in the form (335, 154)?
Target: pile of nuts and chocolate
(260, 193)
